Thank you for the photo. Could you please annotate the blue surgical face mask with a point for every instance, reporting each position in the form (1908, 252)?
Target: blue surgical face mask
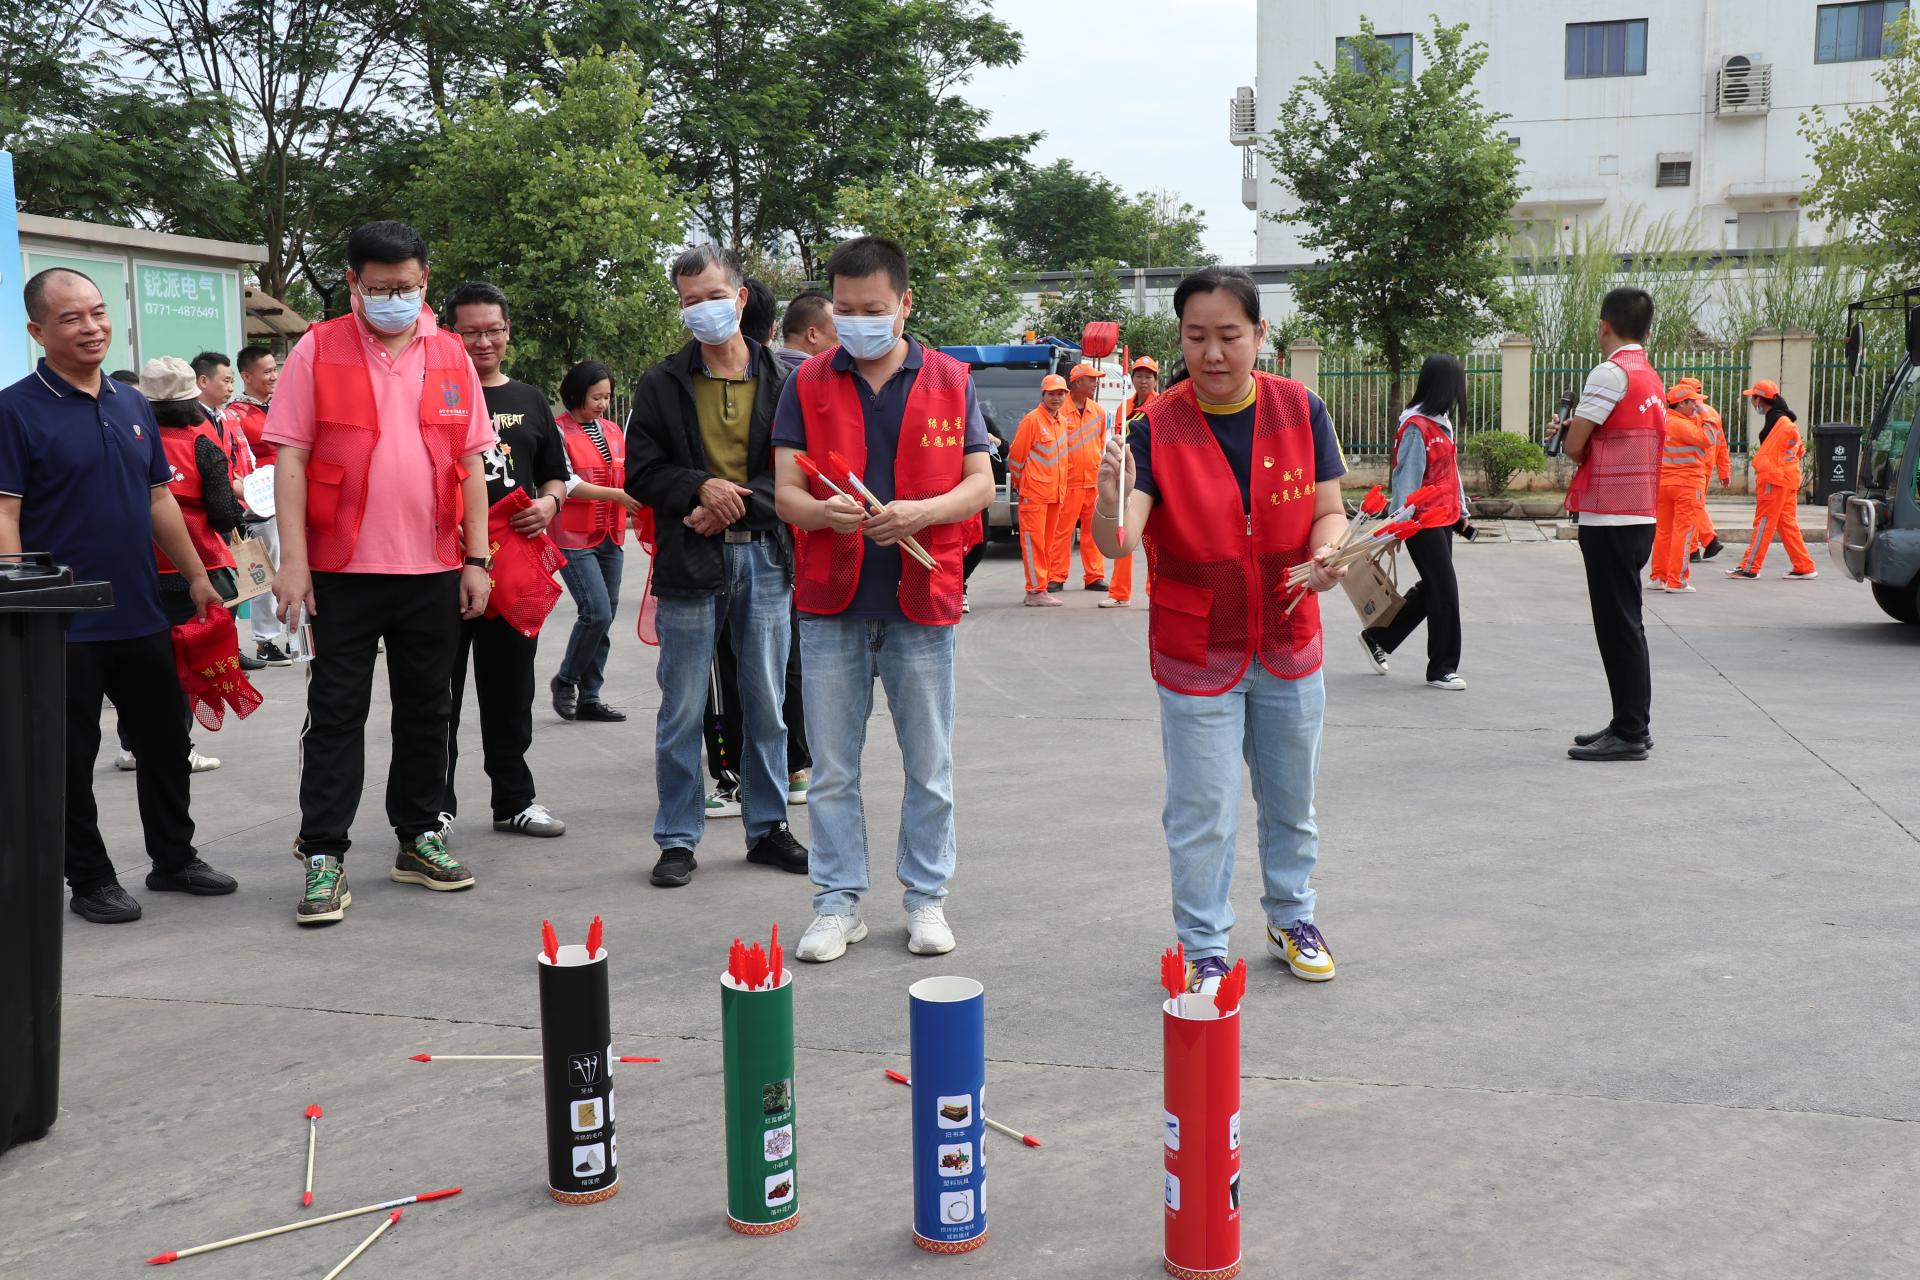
(713, 321)
(392, 315)
(866, 337)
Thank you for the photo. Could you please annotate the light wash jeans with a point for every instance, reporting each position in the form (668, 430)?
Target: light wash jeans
(592, 576)
(1274, 725)
(756, 604)
(839, 659)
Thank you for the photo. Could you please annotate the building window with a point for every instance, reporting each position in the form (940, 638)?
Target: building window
(1675, 173)
(1596, 49)
(1855, 32)
(1402, 46)
(1775, 230)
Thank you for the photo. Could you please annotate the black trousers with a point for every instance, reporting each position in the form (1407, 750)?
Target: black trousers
(1435, 600)
(139, 676)
(503, 684)
(418, 615)
(725, 729)
(1616, 557)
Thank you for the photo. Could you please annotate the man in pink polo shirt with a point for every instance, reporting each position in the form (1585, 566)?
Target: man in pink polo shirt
(380, 422)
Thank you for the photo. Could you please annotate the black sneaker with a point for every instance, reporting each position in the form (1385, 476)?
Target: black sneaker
(1375, 653)
(196, 878)
(597, 710)
(1055, 588)
(1098, 584)
(1742, 573)
(272, 654)
(779, 849)
(106, 904)
(250, 663)
(1609, 746)
(1588, 739)
(675, 868)
(1712, 549)
(566, 698)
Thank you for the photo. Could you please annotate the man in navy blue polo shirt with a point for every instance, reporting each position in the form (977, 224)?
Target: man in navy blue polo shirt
(83, 475)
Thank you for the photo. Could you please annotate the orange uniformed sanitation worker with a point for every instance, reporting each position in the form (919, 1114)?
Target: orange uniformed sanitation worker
(1145, 373)
(1683, 478)
(1706, 541)
(1035, 467)
(1776, 476)
(1086, 437)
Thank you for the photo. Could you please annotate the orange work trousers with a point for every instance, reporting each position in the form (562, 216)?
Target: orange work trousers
(1776, 509)
(1677, 515)
(1076, 511)
(1037, 521)
(1703, 534)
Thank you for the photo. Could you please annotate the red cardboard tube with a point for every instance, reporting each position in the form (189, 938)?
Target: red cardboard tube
(1201, 1137)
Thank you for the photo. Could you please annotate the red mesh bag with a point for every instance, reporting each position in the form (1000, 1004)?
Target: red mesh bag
(645, 533)
(206, 656)
(524, 590)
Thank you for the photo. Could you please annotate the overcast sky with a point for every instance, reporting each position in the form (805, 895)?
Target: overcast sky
(1135, 90)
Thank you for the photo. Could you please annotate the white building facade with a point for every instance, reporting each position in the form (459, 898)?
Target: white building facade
(1688, 111)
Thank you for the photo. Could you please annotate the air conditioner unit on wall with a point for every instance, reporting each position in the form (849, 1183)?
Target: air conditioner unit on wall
(1743, 86)
(1243, 117)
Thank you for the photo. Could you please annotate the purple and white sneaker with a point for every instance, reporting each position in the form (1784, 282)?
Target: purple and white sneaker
(1204, 974)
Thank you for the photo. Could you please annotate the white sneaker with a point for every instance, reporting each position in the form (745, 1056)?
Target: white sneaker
(1452, 682)
(723, 804)
(1680, 591)
(1657, 584)
(1803, 577)
(199, 763)
(1111, 603)
(534, 820)
(445, 829)
(966, 602)
(927, 932)
(828, 938)
(125, 762)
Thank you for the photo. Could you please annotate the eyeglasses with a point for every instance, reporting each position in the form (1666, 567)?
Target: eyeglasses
(411, 292)
(473, 335)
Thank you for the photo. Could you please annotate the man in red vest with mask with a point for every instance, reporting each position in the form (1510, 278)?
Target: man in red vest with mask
(906, 420)
(1616, 434)
(379, 424)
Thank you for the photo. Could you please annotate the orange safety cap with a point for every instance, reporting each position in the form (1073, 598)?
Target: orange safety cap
(1764, 387)
(1680, 392)
(1082, 370)
(1052, 382)
(1688, 382)
(1148, 362)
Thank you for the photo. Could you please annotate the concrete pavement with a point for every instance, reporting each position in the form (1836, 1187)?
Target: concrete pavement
(1591, 1021)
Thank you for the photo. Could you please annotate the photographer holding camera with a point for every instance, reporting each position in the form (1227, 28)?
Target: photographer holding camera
(1615, 434)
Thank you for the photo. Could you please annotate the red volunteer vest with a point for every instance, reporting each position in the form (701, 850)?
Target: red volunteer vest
(590, 522)
(347, 428)
(1621, 474)
(929, 461)
(1443, 468)
(252, 421)
(1219, 574)
(190, 495)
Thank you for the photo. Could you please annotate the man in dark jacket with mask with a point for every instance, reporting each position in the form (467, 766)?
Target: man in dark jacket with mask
(699, 452)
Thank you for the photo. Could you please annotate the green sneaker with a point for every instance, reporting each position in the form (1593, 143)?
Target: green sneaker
(797, 783)
(327, 897)
(427, 863)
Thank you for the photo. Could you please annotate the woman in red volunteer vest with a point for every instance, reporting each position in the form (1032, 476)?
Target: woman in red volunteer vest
(592, 530)
(203, 490)
(1233, 481)
(906, 420)
(1616, 434)
(1424, 453)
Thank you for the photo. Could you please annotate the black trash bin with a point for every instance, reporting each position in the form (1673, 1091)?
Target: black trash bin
(1834, 460)
(36, 599)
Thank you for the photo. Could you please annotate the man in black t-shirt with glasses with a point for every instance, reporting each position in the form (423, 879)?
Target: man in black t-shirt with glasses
(530, 455)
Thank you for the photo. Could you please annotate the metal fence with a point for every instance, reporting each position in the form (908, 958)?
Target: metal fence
(1839, 396)
(1365, 416)
(1722, 374)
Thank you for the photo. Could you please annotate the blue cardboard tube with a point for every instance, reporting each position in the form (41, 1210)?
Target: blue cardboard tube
(948, 1024)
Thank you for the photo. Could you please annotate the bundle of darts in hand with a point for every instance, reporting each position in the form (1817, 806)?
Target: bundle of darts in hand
(1373, 530)
(838, 476)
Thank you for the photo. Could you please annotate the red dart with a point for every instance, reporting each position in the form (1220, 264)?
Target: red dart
(991, 1123)
(1232, 989)
(1173, 974)
(1374, 503)
(313, 1136)
(774, 949)
(549, 942)
(594, 932)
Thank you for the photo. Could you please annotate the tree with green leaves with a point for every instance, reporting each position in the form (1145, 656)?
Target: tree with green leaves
(1054, 217)
(559, 203)
(1867, 163)
(1405, 188)
(962, 290)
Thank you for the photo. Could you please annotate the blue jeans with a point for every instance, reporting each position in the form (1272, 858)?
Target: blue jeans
(839, 659)
(593, 576)
(1274, 725)
(755, 604)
